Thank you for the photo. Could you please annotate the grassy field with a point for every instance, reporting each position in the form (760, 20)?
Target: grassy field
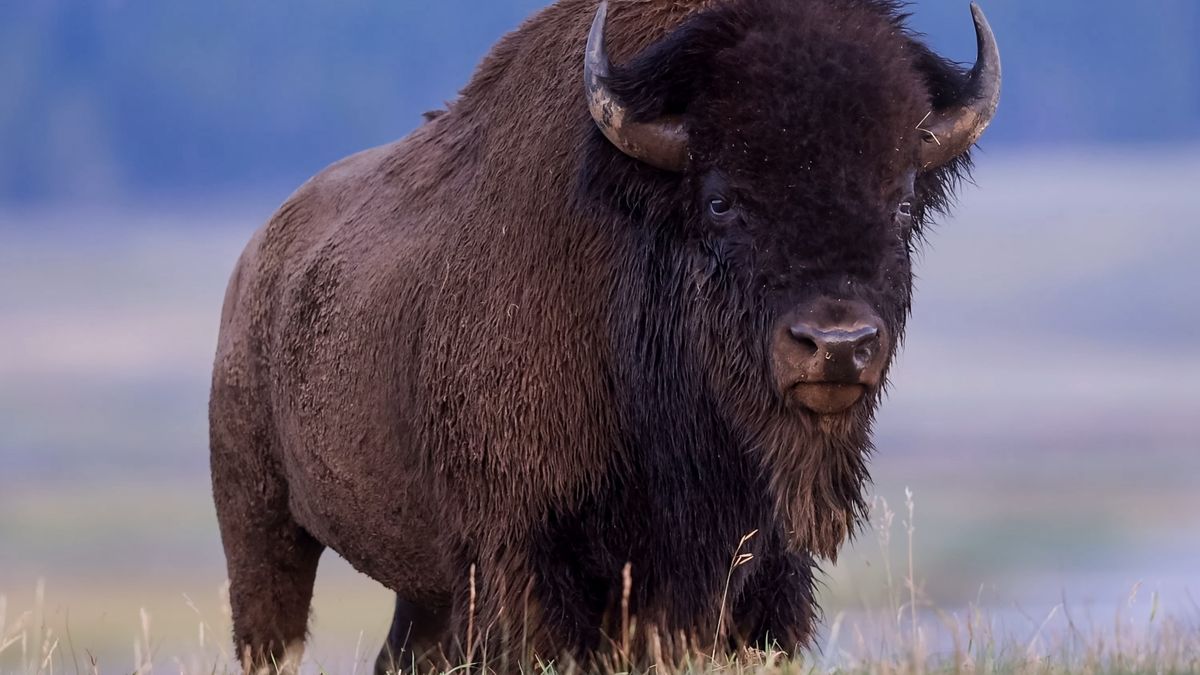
(903, 633)
(1049, 436)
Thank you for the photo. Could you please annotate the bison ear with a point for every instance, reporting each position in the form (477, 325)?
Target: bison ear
(947, 82)
(662, 80)
(964, 104)
(942, 165)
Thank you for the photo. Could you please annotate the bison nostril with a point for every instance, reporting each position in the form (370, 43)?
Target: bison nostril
(864, 353)
(808, 345)
(806, 338)
(865, 348)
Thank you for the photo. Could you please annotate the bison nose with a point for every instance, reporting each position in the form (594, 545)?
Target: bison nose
(842, 353)
(829, 355)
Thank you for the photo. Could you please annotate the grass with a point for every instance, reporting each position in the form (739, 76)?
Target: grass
(903, 635)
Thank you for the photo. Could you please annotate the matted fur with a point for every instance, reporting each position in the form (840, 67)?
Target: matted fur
(497, 361)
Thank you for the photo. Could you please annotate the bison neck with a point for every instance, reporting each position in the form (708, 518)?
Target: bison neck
(697, 481)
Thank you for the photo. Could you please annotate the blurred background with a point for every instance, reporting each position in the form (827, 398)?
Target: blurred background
(1044, 411)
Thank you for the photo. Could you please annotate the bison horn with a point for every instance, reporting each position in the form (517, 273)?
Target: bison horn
(951, 132)
(661, 143)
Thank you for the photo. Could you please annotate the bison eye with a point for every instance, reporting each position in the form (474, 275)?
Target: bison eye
(905, 209)
(719, 206)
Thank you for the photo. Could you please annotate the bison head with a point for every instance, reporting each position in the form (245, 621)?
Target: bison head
(780, 159)
(810, 140)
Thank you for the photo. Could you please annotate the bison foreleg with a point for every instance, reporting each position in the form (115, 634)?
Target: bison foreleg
(415, 634)
(271, 560)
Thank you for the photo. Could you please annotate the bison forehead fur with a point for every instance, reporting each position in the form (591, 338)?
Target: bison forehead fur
(522, 379)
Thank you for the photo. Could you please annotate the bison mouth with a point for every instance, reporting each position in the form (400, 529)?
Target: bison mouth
(828, 398)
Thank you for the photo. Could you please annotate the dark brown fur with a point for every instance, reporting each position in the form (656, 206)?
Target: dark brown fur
(499, 355)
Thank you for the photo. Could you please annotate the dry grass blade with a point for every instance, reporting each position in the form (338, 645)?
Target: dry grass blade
(739, 559)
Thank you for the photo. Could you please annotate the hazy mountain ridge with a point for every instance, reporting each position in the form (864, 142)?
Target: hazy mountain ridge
(111, 98)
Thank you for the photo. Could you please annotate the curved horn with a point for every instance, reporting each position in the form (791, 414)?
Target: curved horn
(953, 131)
(661, 143)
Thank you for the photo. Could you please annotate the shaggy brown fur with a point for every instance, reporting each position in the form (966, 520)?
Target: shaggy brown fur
(494, 363)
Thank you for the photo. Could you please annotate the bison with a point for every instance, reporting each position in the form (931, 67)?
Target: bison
(543, 367)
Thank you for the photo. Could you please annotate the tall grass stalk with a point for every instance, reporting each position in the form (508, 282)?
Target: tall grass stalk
(909, 637)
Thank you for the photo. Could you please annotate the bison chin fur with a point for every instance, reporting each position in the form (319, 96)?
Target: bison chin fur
(696, 367)
(817, 482)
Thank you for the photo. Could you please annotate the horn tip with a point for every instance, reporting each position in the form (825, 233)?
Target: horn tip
(978, 15)
(601, 16)
(596, 61)
(985, 36)
(598, 22)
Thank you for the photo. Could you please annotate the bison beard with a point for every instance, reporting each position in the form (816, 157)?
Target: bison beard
(538, 372)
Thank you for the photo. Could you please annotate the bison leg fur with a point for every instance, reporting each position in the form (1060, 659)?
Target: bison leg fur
(778, 608)
(272, 561)
(415, 632)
